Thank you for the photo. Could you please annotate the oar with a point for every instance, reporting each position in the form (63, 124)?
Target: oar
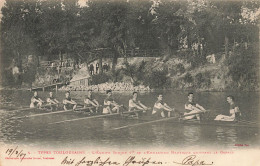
(50, 113)
(154, 121)
(92, 117)
(249, 122)
(124, 107)
(89, 117)
(28, 108)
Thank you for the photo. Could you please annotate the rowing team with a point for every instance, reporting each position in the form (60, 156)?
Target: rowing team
(111, 106)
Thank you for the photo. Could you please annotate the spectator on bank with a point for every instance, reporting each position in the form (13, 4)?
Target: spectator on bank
(91, 69)
(76, 66)
(97, 67)
(59, 69)
(52, 65)
(105, 67)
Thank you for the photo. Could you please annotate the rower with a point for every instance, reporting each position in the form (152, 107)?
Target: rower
(193, 107)
(36, 101)
(52, 101)
(110, 105)
(90, 102)
(135, 104)
(161, 107)
(234, 111)
(68, 102)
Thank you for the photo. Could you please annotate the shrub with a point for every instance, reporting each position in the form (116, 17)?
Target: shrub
(180, 68)
(100, 78)
(188, 78)
(202, 80)
(117, 75)
(243, 69)
(206, 80)
(198, 80)
(135, 72)
(157, 79)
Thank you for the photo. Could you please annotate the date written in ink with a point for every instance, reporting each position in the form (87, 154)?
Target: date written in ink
(15, 152)
(241, 145)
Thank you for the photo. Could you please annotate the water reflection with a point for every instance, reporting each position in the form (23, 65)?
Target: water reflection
(192, 134)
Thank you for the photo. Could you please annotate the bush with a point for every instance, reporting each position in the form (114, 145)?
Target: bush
(198, 80)
(202, 80)
(196, 61)
(135, 72)
(243, 69)
(190, 57)
(206, 80)
(180, 68)
(156, 79)
(188, 78)
(117, 75)
(100, 78)
(173, 71)
(29, 74)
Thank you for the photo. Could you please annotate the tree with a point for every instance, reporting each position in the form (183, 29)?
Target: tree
(169, 24)
(110, 26)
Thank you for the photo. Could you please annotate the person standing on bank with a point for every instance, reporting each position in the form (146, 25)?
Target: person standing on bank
(97, 67)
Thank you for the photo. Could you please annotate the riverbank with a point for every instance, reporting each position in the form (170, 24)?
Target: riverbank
(117, 86)
(178, 72)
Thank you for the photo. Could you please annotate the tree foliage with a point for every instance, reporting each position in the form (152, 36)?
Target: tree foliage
(53, 28)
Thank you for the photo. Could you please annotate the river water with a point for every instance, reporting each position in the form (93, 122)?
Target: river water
(38, 131)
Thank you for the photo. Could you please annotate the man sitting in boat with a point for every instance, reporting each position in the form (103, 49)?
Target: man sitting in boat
(193, 107)
(161, 108)
(110, 105)
(68, 102)
(36, 101)
(53, 102)
(90, 102)
(135, 105)
(234, 111)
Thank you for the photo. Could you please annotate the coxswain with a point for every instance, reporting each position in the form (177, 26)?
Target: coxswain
(110, 105)
(192, 107)
(91, 103)
(51, 100)
(161, 108)
(234, 111)
(36, 101)
(68, 102)
(135, 105)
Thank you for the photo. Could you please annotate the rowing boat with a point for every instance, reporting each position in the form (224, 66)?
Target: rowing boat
(124, 114)
(53, 112)
(146, 119)
(121, 114)
(33, 108)
(78, 110)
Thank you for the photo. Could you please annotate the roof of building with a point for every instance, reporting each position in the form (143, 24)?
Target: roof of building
(83, 73)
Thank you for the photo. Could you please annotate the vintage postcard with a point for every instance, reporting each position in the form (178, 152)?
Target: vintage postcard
(129, 83)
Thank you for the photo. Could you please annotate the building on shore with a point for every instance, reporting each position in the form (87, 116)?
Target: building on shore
(81, 78)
